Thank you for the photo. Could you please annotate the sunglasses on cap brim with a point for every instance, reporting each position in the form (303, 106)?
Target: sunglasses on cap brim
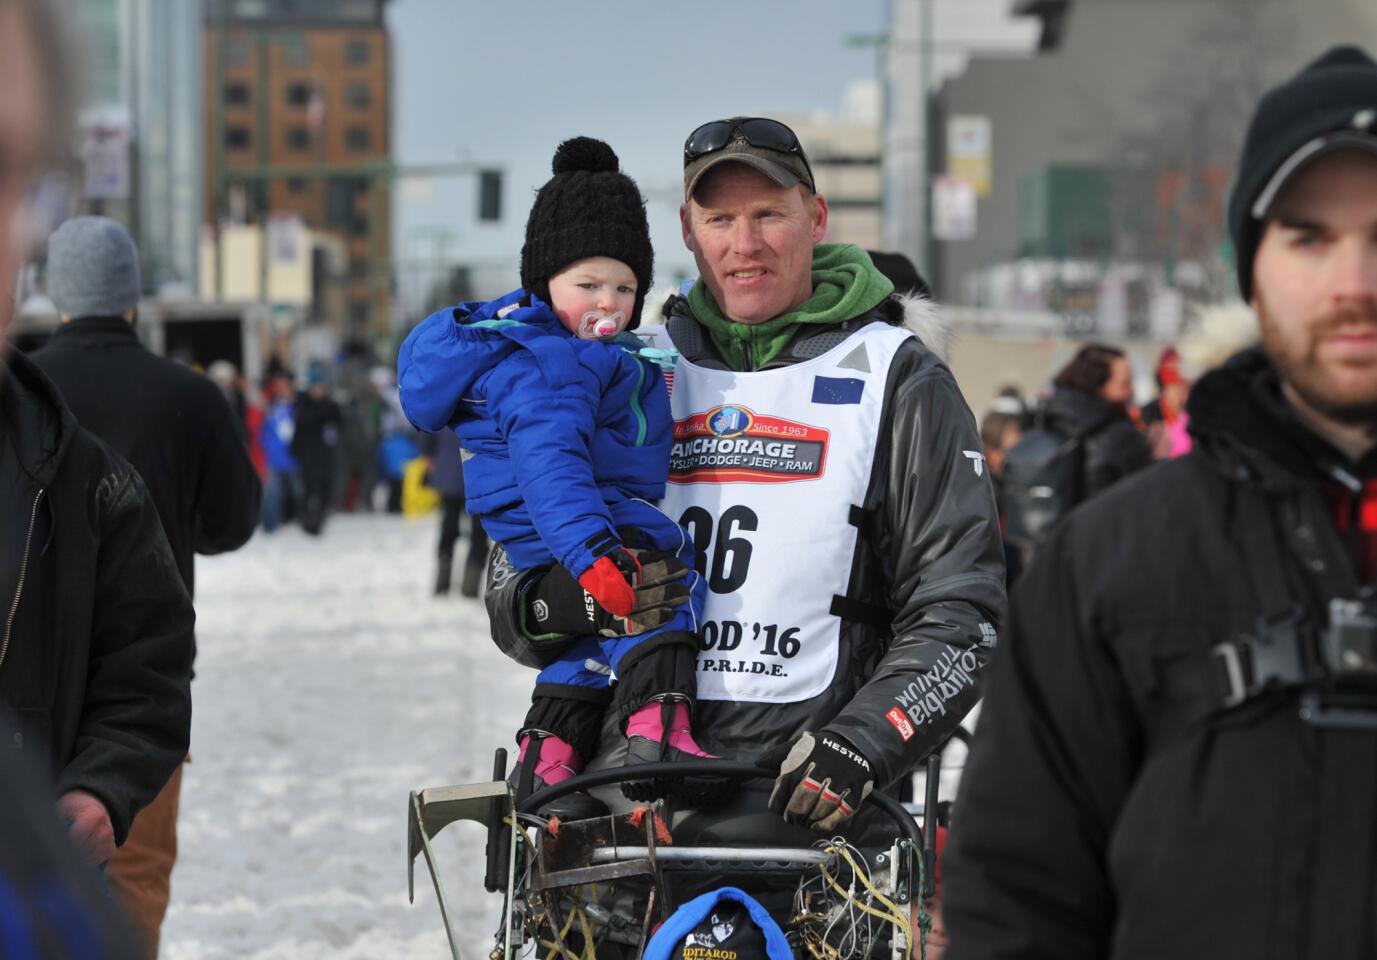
(760, 132)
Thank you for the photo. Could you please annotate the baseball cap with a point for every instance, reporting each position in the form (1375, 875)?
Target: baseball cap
(767, 145)
(1328, 106)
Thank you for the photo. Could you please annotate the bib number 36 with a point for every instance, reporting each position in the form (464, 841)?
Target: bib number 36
(729, 553)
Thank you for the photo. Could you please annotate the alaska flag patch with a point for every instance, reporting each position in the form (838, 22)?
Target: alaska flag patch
(837, 390)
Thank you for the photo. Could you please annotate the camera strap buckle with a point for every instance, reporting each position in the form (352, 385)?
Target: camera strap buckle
(1273, 657)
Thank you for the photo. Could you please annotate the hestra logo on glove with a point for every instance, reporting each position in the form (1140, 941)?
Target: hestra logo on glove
(847, 752)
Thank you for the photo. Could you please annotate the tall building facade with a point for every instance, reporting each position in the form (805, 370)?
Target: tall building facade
(138, 132)
(297, 103)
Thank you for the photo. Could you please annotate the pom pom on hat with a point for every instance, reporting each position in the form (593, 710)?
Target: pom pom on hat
(586, 154)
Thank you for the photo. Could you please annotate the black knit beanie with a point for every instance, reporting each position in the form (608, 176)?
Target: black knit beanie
(1330, 104)
(587, 209)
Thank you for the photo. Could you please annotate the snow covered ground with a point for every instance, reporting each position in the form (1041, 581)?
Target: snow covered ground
(329, 684)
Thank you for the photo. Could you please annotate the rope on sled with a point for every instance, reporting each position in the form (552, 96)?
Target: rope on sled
(852, 916)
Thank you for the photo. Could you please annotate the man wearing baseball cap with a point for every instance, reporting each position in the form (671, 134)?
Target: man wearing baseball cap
(829, 472)
(1177, 756)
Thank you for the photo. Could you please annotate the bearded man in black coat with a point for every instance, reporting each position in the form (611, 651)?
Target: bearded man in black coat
(1177, 756)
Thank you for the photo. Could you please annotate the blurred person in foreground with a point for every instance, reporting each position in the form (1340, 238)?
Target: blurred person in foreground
(95, 661)
(1175, 756)
(177, 430)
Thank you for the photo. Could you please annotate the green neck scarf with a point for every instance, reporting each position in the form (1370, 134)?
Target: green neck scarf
(845, 286)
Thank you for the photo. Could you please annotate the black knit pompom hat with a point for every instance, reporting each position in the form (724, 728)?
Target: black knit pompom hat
(589, 208)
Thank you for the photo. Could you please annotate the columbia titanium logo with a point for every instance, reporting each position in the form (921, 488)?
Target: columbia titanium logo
(977, 460)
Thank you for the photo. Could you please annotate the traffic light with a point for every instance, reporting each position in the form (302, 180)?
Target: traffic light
(489, 195)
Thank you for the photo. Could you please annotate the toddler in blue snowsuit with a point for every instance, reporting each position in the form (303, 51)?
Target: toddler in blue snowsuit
(565, 422)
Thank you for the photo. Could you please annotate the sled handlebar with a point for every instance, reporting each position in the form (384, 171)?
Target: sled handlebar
(731, 769)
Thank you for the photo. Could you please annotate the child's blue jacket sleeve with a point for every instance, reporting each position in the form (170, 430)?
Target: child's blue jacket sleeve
(549, 433)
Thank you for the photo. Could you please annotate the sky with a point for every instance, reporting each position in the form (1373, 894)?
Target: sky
(502, 83)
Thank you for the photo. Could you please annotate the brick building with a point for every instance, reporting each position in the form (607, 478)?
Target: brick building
(298, 121)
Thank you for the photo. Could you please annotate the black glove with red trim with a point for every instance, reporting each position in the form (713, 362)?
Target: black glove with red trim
(557, 603)
(611, 581)
(821, 782)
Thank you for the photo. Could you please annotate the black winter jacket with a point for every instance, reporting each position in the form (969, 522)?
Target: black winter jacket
(95, 658)
(1112, 806)
(1113, 450)
(929, 556)
(171, 423)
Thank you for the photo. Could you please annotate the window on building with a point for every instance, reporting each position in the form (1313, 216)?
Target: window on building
(236, 94)
(358, 95)
(358, 138)
(246, 201)
(298, 94)
(343, 199)
(296, 52)
(356, 53)
(298, 138)
(250, 9)
(237, 138)
(237, 52)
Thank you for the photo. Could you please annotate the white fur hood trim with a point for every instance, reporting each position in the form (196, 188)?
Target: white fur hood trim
(931, 328)
(1219, 332)
(921, 316)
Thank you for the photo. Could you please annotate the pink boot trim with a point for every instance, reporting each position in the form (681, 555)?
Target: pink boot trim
(557, 762)
(645, 722)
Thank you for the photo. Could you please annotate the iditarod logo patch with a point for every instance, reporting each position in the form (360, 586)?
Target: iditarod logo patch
(733, 444)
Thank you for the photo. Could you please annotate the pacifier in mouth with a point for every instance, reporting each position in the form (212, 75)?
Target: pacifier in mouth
(601, 326)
